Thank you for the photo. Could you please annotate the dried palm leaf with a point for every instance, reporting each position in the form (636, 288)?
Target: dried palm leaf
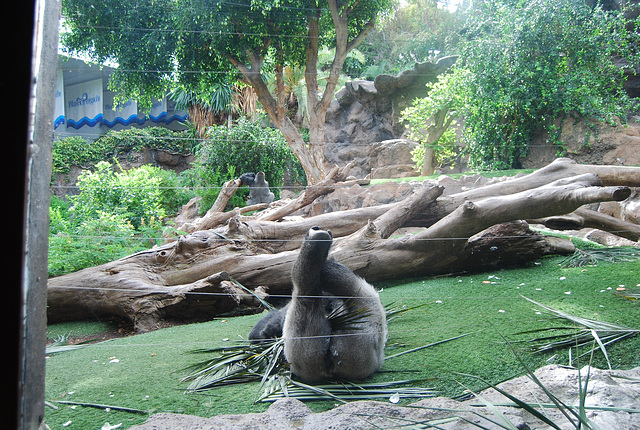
(591, 257)
(582, 332)
(244, 362)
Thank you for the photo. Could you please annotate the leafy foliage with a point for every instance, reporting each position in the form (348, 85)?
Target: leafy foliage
(140, 39)
(77, 151)
(411, 34)
(523, 65)
(97, 241)
(196, 35)
(162, 44)
(216, 96)
(115, 214)
(226, 153)
(441, 109)
(138, 194)
(136, 139)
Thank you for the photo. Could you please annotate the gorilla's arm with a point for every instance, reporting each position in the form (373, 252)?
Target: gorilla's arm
(269, 326)
(306, 327)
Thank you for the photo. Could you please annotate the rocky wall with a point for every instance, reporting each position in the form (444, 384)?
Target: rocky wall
(363, 122)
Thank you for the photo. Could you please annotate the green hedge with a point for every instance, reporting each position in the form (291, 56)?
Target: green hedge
(78, 151)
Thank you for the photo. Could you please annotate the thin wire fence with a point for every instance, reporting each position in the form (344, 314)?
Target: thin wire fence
(434, 298)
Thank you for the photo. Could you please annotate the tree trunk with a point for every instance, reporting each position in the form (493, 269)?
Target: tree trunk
(473, 230)
(310, 154)
(428, 162)
(440, 123)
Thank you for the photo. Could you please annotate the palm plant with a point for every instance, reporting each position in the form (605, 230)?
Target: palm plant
(212, 104)
(245, 362)
(581, 332)
(591, 257)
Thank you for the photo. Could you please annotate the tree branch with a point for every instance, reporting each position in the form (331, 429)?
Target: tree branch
(587, 218)
(559, 198)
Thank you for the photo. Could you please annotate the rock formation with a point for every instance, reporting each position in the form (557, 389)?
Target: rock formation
(363, 122)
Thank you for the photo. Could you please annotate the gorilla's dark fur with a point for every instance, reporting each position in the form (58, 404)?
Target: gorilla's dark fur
(258, 188)
(316, 350)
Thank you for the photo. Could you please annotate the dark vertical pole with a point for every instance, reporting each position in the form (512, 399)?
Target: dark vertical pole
(36, 223)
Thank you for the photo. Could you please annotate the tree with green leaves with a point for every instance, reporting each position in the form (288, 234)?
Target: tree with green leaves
(417, 31)
(198, 42)
(525, 64)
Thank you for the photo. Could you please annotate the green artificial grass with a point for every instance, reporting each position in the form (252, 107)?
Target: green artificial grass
(489, 174)
(143, 372)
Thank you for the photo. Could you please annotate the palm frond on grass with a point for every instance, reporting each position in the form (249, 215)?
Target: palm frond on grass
(629, 294)
(498, 418)
(394, 311)
(61, 344)
(582, 332)
(264, 362)
(591, 257)
(236, 364)
(575, 415)
(282, 386)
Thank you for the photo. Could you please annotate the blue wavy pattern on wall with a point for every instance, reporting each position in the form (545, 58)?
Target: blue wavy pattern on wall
(99, 120)
(164, 118)
(118, 120)
(85, 121)
(58, 121)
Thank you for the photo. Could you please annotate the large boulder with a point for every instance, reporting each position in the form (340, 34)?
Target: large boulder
(392, 159)
(598, 143)
(366, 113)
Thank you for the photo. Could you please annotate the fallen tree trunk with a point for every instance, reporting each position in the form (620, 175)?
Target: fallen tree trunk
(587, 218)
(192, 278)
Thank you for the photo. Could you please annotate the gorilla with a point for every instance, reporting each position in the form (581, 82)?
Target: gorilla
(315, 344)
(258, 188)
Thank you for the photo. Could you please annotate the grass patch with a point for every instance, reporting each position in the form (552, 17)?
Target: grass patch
(435, 176)
(144, 371)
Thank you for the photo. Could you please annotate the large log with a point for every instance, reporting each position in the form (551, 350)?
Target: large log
(468, 231)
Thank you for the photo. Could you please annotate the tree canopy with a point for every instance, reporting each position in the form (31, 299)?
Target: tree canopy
(523, 65)
(158, 43)
(417, 31)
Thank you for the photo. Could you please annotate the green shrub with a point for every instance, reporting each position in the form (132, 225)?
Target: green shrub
(114, 215)
(96, 241)
(226, 153)
(136, 194)
(521, 67)
(77, 151)
(136, 139)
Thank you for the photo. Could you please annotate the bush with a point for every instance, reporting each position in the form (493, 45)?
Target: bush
(522, 67)
(226, 153)
(137, 194)
(133, 194)
(93, 242)
(136, 139)
(77, 151)
(114, 215)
